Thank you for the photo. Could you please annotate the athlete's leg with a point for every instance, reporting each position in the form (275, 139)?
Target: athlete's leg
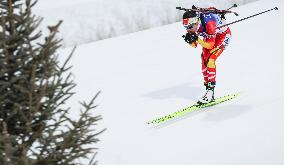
(222, 41)
(204, 58)
(211, 66)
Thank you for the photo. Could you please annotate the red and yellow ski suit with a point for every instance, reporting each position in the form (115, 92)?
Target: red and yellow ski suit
(214, 43)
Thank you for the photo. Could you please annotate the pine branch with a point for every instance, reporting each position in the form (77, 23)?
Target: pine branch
(34, 89)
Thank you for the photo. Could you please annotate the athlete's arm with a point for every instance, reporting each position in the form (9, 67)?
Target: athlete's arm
(208, 44)
(194, 44)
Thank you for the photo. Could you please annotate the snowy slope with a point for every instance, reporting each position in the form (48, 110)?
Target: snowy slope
(147, 74)
(86, 21)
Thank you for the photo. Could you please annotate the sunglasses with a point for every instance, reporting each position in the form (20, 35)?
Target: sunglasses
(188, 23)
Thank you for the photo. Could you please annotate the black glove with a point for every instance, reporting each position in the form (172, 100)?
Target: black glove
(190, 37)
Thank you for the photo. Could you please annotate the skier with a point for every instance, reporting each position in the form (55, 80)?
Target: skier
(214, 42)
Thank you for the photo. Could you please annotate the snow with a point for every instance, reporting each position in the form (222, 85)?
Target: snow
(86, 21)
(147, 74)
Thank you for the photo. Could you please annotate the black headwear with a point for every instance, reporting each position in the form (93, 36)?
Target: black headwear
(189, 14)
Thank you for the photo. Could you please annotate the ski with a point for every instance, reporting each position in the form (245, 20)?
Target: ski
(192, 108)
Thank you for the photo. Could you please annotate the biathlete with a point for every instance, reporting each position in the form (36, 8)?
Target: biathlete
(214, 41)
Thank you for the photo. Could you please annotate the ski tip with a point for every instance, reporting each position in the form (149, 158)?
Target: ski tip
(275, 8)
(237, 94)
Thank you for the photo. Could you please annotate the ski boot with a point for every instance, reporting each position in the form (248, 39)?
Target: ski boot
(209, 95)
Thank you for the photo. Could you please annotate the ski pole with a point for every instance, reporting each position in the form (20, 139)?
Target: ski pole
(235, 5)
(275, 8)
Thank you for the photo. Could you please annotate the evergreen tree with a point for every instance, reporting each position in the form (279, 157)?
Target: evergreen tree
(35, 128)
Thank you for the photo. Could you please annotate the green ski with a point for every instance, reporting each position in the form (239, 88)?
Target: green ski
(192, 108)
